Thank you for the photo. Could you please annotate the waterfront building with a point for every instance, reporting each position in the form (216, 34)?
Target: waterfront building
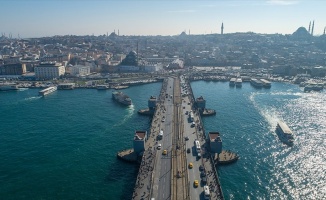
(49, 70)
(80, 70)
(201, 103)
(13, 69)
(215, 142)
(152, 104)
(139, 141)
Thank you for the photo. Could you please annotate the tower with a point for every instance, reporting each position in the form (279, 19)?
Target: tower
(222, 28)
(324, 30)
(312, 28)
(309, 26)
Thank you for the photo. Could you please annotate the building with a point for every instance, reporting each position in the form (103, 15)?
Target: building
(201, 103)
(49, 70)
(13, 69)
(318, 71)
(80, 70)
(139, 141)
(176, 64)
(215, 142)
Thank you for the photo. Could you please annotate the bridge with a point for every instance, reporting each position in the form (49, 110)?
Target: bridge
(171, 166)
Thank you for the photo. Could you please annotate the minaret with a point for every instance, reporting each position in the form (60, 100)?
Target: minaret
(118, 32)
(325, 30)
(222, 28)
(189, 32)
(309, 26)
(312, 28)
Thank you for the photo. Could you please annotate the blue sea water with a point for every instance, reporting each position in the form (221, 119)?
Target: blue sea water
(64, 146)
(267, 169)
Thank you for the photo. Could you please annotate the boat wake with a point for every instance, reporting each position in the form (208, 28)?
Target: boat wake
(32, 98)
(22, 89)
(130, 111)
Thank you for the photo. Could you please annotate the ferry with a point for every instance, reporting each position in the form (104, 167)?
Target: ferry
(102, 87)
(121, 98)
(313, 87)
(238, 82)
(266, 83)
(66, 86)
(8, 86)
(256, 83)
(47, 91)
(284, 133)
(232, 82)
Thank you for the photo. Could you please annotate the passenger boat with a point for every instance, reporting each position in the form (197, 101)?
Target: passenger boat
(8, 86)
(256, 83)
(238, 82)
(47, 91)
(102, 87)
(232, 82)
(121, 98)
(66, 86)
(284, 133)
(266, 83)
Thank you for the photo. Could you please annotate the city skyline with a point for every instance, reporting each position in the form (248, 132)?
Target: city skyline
(37, 18)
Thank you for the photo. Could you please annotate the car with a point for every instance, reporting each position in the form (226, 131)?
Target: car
(192, 124)
(187, 138)
(201, 167)
(190, 165)
(187, 112)
(204, 180)
(188, 150)
(202, 174)
(196, 183)
(165, 152)
(159, 146)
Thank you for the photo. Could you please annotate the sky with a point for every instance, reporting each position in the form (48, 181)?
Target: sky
(40, 18)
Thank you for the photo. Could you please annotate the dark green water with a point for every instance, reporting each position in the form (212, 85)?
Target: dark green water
(64, 146)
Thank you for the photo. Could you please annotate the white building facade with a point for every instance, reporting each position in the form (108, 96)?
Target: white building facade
(49, 71)
(80, 70)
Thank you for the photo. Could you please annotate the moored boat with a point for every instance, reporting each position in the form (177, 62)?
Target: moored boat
(266, 83)
(232, 82)
(256, 83)
(8, 86)
(238, 82)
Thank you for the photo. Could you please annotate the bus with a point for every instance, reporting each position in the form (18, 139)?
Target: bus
(206, 192)
(198, 149)
(191, 116)
(160, 135)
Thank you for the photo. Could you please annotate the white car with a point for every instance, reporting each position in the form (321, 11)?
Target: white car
(159, 146)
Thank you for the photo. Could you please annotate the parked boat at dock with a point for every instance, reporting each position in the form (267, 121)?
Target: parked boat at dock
(47, 91)
(232, 82)
(8, 86)
(66, 86)
(266, 83)
(313, 87)
(121, 98)
(238, 82)
(102, 87)
(256, 83)
(284, 133)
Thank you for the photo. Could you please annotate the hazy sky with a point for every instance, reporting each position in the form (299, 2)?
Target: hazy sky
(37, 18)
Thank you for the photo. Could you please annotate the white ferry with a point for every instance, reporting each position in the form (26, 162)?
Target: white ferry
(102, 87)
(232, 82)
(8, 86)
(47, 91)
(284, 133)
(238, 82)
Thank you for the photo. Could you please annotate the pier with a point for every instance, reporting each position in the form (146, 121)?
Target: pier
(170, 166)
